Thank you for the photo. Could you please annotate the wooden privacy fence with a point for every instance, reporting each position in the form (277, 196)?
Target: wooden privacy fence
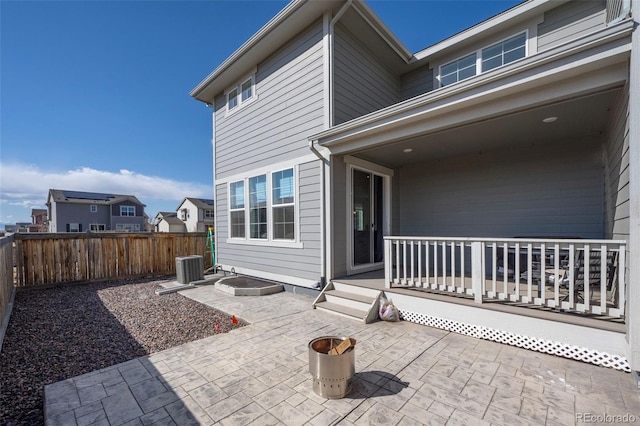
(43, 259)
(6, 275)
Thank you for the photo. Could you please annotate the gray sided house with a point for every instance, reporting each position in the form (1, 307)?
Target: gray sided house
(77, 211)
(499, 165)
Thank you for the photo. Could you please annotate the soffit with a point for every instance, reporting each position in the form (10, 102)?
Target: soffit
(578, 119)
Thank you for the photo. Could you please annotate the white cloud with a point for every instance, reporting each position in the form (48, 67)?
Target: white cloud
(27, 186)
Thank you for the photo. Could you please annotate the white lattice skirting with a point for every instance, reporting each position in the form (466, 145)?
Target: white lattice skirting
(513, 339)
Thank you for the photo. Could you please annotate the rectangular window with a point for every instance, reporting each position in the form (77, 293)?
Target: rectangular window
(504, 52)
(74, 227)
(243, 93)
(127, 211)
(184, 214)
(458, 70)
(208, 214)
(93, 208)
(258, 207)
(96, 227)
(269, 212)
(485, 59)
(283, 205)
(232, 99)
(247, 89)
(236, 209)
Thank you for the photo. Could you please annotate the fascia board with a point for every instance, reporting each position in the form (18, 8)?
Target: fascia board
(381, 28)
(411, 108)
(507, 17)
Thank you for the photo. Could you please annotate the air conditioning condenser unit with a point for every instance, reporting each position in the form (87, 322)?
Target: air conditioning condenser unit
(189, 268)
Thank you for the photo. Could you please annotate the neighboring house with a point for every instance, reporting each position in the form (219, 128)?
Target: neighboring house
(20, 227)
(168, 222)
(196, 213)
(39, 221)
(481, 169)
(76, 211)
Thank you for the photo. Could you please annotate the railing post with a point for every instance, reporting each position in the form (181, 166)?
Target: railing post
(387, 264)
(476, 270)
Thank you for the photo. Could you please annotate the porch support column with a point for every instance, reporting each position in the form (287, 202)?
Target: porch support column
(633, 272)
(476, 270)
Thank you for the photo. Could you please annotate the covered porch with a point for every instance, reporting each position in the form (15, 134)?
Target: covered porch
(500, 204)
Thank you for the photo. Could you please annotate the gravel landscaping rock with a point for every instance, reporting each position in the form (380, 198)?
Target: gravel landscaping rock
(58, 333)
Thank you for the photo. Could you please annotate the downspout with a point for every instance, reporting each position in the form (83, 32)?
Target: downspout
(328, 27)
(323, 224)
(215, 198)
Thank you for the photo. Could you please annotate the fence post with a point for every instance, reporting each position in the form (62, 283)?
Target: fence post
(476, 270)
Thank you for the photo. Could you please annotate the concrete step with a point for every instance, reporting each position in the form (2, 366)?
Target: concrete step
(343, 310)
(351, 300)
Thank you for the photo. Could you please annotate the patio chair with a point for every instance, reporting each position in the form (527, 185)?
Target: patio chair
(595, 272)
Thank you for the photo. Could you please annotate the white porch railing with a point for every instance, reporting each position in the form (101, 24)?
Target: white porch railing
(586, 276)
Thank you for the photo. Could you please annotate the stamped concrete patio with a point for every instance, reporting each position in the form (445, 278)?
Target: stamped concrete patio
(406, 374)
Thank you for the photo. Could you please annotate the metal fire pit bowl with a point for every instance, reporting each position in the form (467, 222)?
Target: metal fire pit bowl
(332, 374)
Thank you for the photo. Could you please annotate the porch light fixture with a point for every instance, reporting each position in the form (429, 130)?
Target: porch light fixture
(549, 119)
(407, 150)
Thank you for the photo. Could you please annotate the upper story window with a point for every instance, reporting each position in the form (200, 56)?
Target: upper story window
(458, 70)
(484, 59)
(93, 208)
(184, 214)
(241, 94)
(504, 52)
(208, 214)
(127, 211)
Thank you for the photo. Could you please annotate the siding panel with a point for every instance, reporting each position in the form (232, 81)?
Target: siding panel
(616, 171)
(416, 83)
(570, 21)
(361, 83)
(287, 110)
(524, 192)
(301, 263)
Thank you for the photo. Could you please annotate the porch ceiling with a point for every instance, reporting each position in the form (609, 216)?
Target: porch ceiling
(578, 118)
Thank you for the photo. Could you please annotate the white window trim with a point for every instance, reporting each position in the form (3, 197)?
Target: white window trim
(272, 206)
(478, 52)
(238, 86)
(247, 217)
(93, 208)
(128, 207)
(269, 242)
(91, 225)
(243, 209)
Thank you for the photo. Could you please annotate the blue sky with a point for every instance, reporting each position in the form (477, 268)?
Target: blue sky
(94, 95)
